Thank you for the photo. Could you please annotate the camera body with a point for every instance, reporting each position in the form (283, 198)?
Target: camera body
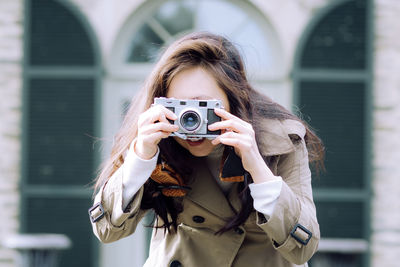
(194, 116)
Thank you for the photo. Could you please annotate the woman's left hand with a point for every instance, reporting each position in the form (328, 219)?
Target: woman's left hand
(240, 135)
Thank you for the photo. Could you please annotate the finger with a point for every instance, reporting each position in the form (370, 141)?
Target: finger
(155, 138)
(232, 135)
(163, 118)
(225, 114)
(228, 116)
(240, 144)
(167, 112)
(228, 135)
(156, 127)
(155, 114)
(230, 125)
(158, 113)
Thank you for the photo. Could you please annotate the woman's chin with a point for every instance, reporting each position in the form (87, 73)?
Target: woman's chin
(197, 147)
(199, 153)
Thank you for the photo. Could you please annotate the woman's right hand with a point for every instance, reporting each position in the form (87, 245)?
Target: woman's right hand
(153, 125)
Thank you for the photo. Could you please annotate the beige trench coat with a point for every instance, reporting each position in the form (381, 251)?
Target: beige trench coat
(259, 242)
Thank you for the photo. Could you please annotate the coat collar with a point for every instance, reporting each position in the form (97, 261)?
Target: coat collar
(274, 136)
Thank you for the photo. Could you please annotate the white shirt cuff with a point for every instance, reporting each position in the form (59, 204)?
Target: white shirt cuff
(135, 171)
(266, 195)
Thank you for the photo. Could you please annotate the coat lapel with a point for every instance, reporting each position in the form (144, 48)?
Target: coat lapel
(273, 135)
(206, 192)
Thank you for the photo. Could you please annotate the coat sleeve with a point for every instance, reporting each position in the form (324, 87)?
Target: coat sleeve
(116, 223)
(293, 225)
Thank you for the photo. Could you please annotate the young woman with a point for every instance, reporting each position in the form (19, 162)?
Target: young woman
(241, 199)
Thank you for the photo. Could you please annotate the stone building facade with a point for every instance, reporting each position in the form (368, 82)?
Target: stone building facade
(11, 47)
(110, 21)
(385, 246)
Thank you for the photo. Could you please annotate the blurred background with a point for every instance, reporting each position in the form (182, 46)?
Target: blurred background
(68, 69)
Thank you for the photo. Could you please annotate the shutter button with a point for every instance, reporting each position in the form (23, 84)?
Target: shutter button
(239, 231)
(198, 219)
(175, 264)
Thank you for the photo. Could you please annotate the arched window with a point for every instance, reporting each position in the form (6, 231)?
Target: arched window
(61, 85)
(157, 24)
(332, 90)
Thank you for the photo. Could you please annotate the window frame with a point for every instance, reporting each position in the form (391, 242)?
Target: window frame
(95, 72)
(118, 68)
(300, 74)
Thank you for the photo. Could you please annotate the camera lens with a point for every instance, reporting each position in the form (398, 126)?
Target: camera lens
(190, 120)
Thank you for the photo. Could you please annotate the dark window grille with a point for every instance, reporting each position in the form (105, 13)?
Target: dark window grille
(338, 41)
(57, 37)
(61, 82)
(331, 79)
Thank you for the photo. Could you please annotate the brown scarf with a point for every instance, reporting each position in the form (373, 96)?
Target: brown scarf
(172, 184)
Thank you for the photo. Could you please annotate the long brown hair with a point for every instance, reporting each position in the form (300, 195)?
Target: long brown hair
(216, 55)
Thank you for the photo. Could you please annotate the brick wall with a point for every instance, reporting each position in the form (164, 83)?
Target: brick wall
(386, 183)
(11, 29)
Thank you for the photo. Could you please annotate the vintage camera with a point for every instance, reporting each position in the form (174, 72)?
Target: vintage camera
(194, 116)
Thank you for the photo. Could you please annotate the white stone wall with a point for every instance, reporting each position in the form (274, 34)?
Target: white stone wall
(11, 29)
(386, 183)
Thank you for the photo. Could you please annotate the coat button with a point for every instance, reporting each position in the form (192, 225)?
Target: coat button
(198, 219)
(175, 264)
(239, 231)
